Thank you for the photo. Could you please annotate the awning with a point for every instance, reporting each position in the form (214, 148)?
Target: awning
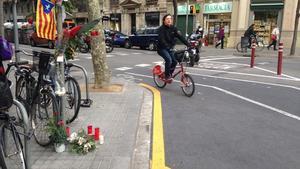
(266, 5)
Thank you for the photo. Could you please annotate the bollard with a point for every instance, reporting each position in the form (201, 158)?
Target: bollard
(253, 46)
(280, 52)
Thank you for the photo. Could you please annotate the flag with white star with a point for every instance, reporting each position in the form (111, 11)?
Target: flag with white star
(45, 19)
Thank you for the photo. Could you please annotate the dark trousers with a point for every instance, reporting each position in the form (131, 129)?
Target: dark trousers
(170, 61)
(274, 42)
(222, 43)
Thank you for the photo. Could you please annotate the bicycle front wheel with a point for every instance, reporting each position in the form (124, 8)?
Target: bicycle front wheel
(158, 81)
(73, 97)
(46, 108)
(260, 46)
(11, 148)
(187, 85)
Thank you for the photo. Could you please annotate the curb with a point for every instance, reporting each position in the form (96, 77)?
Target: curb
(141, 153)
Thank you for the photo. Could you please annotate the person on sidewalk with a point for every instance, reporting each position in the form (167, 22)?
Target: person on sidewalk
(274, 37)
(221, 36)
(166, 41)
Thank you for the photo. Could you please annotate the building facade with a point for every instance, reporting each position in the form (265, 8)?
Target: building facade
(128, 16)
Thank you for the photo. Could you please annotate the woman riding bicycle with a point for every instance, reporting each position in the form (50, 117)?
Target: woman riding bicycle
(166, 41)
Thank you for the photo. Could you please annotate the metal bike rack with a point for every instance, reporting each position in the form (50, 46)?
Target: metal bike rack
(27, 132)
(87, 102)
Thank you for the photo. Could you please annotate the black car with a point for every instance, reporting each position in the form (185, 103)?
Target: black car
(145, 38)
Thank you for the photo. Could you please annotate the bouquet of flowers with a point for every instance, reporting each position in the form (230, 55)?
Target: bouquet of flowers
(81, 143)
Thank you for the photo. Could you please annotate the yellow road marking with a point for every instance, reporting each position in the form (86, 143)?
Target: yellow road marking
(158, 146)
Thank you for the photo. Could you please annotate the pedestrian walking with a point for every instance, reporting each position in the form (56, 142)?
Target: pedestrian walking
(221, 37)
(274, 37)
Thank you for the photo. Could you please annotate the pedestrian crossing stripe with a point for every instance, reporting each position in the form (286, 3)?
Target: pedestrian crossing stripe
(136, 53)
(143, 65)
(90, 57)
(123, 68)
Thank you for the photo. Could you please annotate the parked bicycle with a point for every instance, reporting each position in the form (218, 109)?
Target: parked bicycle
(186, 81)
(14, 147)
(38, 96)
(242, 48)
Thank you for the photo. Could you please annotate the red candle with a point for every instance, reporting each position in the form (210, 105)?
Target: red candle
(97, 134)
(68, 131)
(90, 129)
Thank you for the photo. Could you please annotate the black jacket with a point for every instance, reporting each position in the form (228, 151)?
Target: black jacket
(167, 35)
(250, 31)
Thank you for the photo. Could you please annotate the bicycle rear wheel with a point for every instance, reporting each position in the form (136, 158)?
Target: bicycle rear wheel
(45, 108)
(12, 150)
(188, 85)
(73, 97)
(238, 47)
(158, 81)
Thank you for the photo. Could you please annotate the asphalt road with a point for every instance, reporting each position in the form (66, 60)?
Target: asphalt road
(238, 118)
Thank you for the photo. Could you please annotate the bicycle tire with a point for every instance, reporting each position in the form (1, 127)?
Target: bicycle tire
(73, 97)
(21, 89)
(2, 162)
(13, 153)
(238, 47)
(187, 81)
(158, 81)
(40, 119)
(260, 46)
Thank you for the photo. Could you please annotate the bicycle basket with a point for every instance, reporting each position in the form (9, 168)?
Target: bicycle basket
(41, 61)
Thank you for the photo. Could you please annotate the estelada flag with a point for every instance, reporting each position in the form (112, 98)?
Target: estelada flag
(45, 19)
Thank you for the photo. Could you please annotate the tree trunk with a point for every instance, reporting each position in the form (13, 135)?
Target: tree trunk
(175, 11)
(101, 70)
(293, 47)
(1, 18)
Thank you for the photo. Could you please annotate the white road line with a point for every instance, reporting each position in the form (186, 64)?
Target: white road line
(109, 56)
(158, 62)
(89, 57)
(223, 58)
(238, 96)
(248, 81)
(246, 74)
(123, 68)
(136, 53)
(143, 65)
(72, 60)
(297, 79)
(256, 67)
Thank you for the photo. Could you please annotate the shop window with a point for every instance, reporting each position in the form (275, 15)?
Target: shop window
(152, 19)
(264, 23)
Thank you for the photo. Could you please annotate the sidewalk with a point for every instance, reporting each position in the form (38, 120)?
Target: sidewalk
(124, 119)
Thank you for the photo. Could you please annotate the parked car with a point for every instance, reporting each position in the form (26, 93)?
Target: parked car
(36, 41)
(145, 38)
(120, 39)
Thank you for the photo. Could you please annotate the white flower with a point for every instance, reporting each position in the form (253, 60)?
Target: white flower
(73, 137)
(81, 140)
